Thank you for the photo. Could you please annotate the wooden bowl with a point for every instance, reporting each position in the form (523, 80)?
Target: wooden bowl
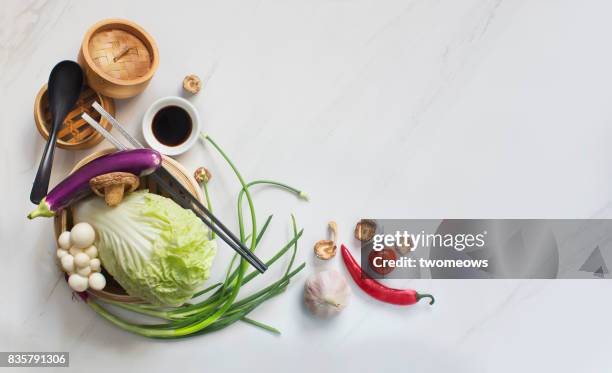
(119, 58)
(76, 133)
(63, 222)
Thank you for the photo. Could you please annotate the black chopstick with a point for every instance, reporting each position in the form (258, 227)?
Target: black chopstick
(230, 239)
(214, 225)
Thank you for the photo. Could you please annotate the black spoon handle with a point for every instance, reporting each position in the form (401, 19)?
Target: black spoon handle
(41, 182)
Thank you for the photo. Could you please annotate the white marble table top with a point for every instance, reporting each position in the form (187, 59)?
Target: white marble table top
(390, 109)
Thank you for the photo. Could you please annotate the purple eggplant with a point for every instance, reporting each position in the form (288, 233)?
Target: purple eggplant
(139, 162)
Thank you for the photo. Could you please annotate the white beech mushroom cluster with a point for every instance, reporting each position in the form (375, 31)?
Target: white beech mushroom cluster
(79, 258)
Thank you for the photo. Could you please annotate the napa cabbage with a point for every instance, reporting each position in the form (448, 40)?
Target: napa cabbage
(153, 248)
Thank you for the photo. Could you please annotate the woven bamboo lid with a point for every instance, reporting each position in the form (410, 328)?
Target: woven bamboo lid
(120, 54)
(75, 132)
(119, 58)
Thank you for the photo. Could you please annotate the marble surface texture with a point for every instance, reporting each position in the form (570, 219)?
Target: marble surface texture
(390, 109)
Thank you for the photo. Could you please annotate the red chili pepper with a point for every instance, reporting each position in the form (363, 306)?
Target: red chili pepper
(375, 289)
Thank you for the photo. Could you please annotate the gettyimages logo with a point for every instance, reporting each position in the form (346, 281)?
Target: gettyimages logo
(459, 241)
(383, 256)
(487, 248)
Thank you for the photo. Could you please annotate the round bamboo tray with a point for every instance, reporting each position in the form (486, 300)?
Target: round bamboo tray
(75, 133)
(62, 222)
(119, 58)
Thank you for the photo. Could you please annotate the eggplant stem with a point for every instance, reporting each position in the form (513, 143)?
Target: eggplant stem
(42, 209)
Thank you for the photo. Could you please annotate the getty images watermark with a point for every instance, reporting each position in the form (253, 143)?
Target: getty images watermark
(488, 248)
(411, 241)
(34, 359)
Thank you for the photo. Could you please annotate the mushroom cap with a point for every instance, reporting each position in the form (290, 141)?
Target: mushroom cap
(365, 230)
(325, 249)
(98, 183)
(192, 84)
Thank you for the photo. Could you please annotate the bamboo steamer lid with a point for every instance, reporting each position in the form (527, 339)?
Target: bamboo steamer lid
(75, 133)
(119, 58)
(63, 221)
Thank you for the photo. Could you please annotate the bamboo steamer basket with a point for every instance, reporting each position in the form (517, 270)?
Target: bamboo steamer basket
(75, 133)
(63, 221)
(119, 58)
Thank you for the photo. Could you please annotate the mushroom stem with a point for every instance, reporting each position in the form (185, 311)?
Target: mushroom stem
(113, 186)
(113, 194)
(333, 228)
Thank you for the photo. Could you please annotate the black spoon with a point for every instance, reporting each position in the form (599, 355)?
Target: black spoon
(64, 88)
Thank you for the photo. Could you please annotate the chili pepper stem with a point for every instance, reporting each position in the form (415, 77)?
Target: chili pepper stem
(421, 296)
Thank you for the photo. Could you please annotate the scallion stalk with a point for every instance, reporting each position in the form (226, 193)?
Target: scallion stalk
(220, 309)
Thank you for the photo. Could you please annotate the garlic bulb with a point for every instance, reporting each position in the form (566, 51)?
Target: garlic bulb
(326, 293)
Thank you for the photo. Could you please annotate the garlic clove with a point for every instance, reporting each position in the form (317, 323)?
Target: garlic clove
(326, 293)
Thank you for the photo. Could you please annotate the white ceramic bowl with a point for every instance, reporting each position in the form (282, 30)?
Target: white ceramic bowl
(147, 127)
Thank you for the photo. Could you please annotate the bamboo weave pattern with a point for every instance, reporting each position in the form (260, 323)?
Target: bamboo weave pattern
(120, 54)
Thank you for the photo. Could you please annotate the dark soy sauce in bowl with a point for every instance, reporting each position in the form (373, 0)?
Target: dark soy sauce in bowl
(172, 125)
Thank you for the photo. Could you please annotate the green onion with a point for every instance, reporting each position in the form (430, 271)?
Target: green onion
(221, 308)
(209, 203)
